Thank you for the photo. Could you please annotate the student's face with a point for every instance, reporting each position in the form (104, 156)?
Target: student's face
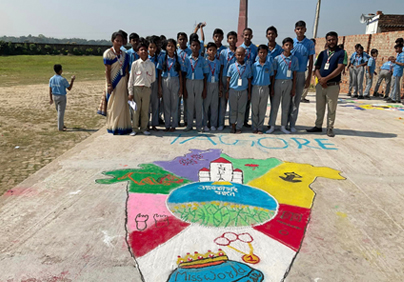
(170, 48)
(182, 40)
(271, 36)
(134, 43)
(232, 40)
(300, 31)
(360, 51)
(288, 46)
(332, 41)
(399, 50)
(218, 38)
(152, 49)
(195, 46)
(262, 54)
(247, 35)
(240, 55)
(375, 54)
(142, 52)
(212, 52)
(117, 42)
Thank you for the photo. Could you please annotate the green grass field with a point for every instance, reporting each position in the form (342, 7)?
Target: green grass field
(27, 70)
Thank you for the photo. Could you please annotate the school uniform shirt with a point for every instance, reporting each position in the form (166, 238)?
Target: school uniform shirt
(143, 73)
(219, 50)
(357, 60)
(133, 56)
(387, 66)
(200, 49)
(170, 65)
(237, 71)
(154, 60)
(272, 54)
(251, 53)
(261, 73)
(182, 54)
(372, 65)
(398, 70)
(214, 69)
(282, 64)
(227, 58)
(198, 67)
(58, 84)
(302, 50)
(334, 59)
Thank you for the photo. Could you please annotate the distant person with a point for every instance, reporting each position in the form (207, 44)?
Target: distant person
(286, 66)
(154, 96)
(395, 96)
(57, 93)
(329, 66)
(306, 89)
(370, 72)
(124, 38)
(133, 55)
(304, 51)
(400, 41)
(386, 71)
(359, 61)
(238, 90)
(116, 74)
(351, 73)
(183, 52)
(141, 77)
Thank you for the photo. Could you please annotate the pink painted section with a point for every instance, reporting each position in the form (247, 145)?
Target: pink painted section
(20, 191)
(150, 206)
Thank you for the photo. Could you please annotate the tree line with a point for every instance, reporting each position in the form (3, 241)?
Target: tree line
(51, 40)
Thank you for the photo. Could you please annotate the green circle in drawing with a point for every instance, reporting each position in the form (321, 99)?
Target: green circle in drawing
(222, 204)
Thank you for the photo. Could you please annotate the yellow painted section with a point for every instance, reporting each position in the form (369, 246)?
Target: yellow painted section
(222, 183)
(298, 193)
(342, 214)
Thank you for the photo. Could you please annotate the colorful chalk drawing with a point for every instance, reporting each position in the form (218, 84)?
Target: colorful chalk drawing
(206, 216)
(362, 105)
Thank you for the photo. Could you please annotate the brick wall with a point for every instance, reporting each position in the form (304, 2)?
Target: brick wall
(383, 42)
(389, 23)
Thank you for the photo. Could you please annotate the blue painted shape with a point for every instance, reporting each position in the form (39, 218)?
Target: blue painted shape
(284, 142)
(234, 193)
(324, 145)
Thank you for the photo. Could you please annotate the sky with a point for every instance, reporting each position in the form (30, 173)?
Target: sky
(98, 19)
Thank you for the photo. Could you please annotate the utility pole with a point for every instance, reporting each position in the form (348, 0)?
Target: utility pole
(317, 18)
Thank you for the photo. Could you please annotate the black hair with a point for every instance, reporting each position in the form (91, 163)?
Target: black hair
(399, 45)
(182, 34)
(143, 43)
(163, 37)
(153, 40)
(286, 40)
(249, 29)
(300, 24)
(218, 31)
(193, 36)
(361, 47)
(177, 66)
(314, 40)
(399, 40)
(331, 33)
(357, 46)
(124, 34)
(341, 46)
(263, 46)
(374, 51)
(231, 33)
(133, 36)
(193, 39)
(272, 28)
(115, 35)
(211, 44)
(57, 68)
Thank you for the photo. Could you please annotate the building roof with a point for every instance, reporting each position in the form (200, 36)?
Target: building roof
(238, 170)
(204, 169)
(221, 160)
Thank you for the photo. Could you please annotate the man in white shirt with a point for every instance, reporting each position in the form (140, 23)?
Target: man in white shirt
(142, 75)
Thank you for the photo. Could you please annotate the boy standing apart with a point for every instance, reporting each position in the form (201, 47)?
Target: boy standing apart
(285, 71)
(239, 90)
(370, 71)
(141, 77)
(227, 58)
(386, 70)
(303, 50)
(57, 93)
(133, 55)
(397, 74)
(262, 72)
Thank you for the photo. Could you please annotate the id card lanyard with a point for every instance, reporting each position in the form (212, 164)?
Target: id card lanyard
(212, 78)
(327, 64)
(289, 71)
(193, 67)
(240, 80)
(169, 67)
(119, 59)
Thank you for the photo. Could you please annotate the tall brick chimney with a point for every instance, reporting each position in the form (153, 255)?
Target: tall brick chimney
(242, 20)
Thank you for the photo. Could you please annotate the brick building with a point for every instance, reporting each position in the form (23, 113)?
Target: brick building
(380, 23)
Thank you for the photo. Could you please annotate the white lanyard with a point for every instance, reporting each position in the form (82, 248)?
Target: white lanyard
(120, 60)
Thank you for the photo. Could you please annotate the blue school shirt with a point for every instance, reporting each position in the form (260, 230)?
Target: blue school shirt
(358, 60)
(371, 65)
(213, 67)
(237, 71)
(133, 56)
(251, 53)
(219, 50)
(398, 70)
(199, 67)
(261, 74)
(170, 63)
(272, 54)
(302, 50)
(58, 84)
(281, 66)
(387, 66)
(154, 61)
(182, 54)
(227, 58)
(200, 50)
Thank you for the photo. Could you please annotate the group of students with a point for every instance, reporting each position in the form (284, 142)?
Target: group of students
(391, 71)
(163, 74)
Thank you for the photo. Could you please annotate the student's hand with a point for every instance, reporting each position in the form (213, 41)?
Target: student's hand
(110, 89)
(130, 97)
(307, 84)
(227, 95)
(73, 77)
(293, 92)
(272, 92)
(50, 101)
(180, 92)
(358, 66)
(185, 94)
(343, 72)
(249, 96)
(160, 92)
(204, 94)
(375, 73)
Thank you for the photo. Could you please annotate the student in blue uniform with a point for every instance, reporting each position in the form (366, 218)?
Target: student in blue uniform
(134, 40)
(227, 58)
(238, 90)
(386, 70)
(195, 36)
(196, 68)
(183, 52)
(154, 97)
(397, 74)
(303, 50)
(358, 62)
(286, 66)
(370, 71)
(218, 36)
(211, 102)
(274, 49)
(262, 72)
(170, 84)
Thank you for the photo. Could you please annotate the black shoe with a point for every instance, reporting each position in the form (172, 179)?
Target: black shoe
(360, 97)
(386, 97)
(388, 100)
(161, 121)
(314, 129)
(247, 125)
(349, 94)
(305, 101)
(376, 94)
(355, 96)
(367, 97)
(330, 132)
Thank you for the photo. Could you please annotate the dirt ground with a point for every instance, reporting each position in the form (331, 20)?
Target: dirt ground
(29, 138)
